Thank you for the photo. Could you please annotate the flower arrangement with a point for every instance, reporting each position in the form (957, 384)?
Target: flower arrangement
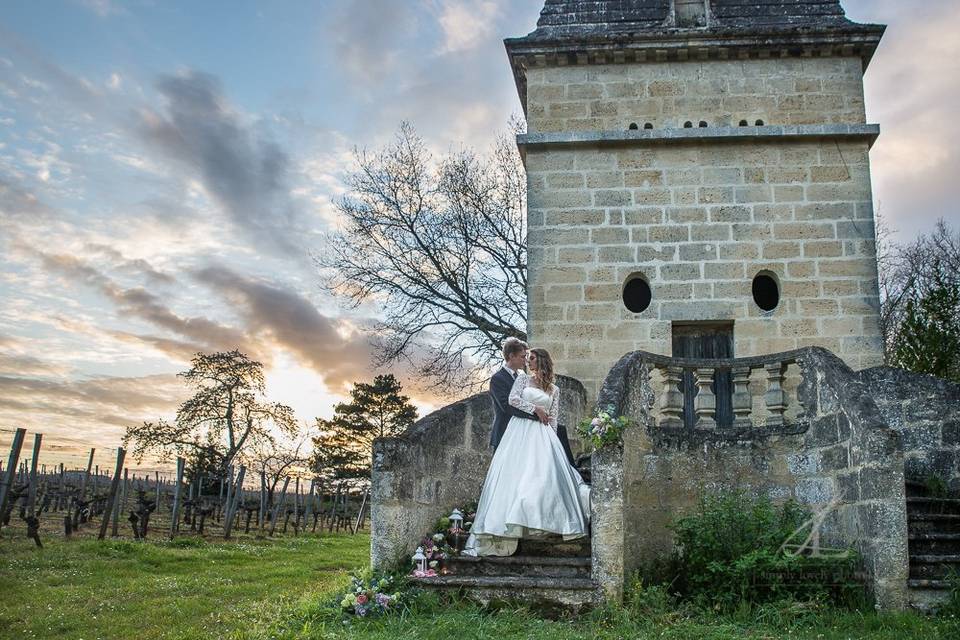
(434, 549)
(603, 429)
(371, 596)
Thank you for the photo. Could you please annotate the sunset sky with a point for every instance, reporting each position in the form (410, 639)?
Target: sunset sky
(166, 168)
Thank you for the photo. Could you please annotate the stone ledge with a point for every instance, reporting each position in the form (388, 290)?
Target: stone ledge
(870, 132)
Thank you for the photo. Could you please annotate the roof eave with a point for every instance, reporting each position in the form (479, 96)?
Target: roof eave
(678, 44)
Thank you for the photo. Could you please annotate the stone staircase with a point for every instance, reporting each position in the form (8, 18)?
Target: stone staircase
(546, 574)
(934, 544)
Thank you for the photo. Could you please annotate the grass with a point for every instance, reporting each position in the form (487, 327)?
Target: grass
(184, 589)
(283, 589)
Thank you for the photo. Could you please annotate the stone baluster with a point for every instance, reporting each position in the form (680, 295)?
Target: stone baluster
(671, 399)
(776, 397)
(742, 400)
(705, 404)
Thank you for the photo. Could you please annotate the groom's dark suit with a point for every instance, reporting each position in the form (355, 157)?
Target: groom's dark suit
(500, 384)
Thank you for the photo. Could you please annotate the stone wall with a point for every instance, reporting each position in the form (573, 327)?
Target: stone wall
(438, 464)
(844, 458)
(698, 221)
(926, 412)
(719, 92)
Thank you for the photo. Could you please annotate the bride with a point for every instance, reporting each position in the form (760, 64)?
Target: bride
(531, 490)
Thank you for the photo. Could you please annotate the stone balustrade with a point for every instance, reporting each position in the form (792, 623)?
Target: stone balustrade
(757, 394)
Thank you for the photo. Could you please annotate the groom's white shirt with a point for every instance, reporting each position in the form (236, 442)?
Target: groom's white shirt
(509, 370)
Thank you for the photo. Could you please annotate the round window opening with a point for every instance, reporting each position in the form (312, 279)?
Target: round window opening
(636, 294)
(766, 291)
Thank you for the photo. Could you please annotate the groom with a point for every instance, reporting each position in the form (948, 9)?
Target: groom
(515, 361)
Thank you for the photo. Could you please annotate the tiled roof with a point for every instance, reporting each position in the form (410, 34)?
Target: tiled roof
(561, 18)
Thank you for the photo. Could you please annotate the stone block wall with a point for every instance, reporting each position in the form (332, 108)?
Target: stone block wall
(719, 92)
(845, 460)
(925, 411)
(438, 464)
(698, 220)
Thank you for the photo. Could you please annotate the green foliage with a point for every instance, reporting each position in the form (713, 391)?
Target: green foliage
(929, 336)
(951, 607)
(375, 410)
(730, 551)
(936, 487)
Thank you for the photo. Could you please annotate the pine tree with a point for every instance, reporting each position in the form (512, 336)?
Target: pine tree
(345, 445)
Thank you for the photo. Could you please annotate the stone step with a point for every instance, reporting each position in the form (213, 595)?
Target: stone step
(936, 585)
(934, 543)
(933, 522)
(524, 566)
(554, 547)
(933, 567)
(569, 594)
(920, 505)
(915, 488)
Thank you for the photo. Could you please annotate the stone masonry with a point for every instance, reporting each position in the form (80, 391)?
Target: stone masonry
(695, 160)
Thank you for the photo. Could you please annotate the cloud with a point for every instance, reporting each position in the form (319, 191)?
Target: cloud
(143, 304)
(466, 24)
(292, 322)
(242, 168)
(367, 37)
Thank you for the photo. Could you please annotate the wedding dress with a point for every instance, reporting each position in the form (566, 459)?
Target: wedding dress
(531, 490)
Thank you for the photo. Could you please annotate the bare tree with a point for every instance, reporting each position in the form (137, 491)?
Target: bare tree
(909, 274)
(277, 460)
(227, 413)
(441, 247)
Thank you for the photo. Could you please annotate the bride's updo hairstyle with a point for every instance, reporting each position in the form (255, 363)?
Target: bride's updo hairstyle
(544, 375)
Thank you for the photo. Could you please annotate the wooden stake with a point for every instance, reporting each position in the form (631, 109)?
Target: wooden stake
(86, 476)
(7, 482)
(277, 507)
(34, 480)
(174, 525)
(112, 498)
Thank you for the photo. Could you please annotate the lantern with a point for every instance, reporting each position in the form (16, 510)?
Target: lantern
(420, 560)
(455, 533)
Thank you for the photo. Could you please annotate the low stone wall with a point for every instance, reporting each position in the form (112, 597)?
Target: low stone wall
(439, 463)
(840, 456)
(925, 411)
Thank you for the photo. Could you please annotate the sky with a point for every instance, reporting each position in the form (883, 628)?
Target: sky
(167, 168)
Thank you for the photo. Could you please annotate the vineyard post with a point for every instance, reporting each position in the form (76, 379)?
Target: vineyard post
(34, 480)
(176, 499)
(7, 482)
(112, 497)
(86, 476)
(279, 505)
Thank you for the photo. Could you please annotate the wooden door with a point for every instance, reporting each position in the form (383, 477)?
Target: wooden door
(706, 341)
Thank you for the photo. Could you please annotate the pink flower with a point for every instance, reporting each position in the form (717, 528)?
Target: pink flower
(362, 599)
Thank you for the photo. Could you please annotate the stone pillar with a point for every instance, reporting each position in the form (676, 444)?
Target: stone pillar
(608, 526)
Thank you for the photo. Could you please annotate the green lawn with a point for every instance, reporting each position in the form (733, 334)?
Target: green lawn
(283, 588)
(186, 589)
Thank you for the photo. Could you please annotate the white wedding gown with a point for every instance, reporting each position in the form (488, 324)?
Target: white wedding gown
(531, 489)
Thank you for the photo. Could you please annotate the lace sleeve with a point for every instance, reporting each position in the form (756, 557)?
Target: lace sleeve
(555, 408)
(516, 394)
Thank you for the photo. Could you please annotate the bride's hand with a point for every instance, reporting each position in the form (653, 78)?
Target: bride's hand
(542, 414)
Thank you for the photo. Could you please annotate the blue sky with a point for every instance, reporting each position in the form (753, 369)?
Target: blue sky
(165, 168)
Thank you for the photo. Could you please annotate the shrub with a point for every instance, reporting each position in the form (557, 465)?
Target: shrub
(729, 552)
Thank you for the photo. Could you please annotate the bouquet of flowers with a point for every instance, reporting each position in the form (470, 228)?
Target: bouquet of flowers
(370, 597)
(603, 429)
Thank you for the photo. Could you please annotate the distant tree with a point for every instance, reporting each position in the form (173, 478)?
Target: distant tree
(928, 340)
(344, 447)
(442, 248)
(278, 460)
(920, 306)
(227, 414)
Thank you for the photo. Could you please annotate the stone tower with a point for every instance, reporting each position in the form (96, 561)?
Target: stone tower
(699, 180)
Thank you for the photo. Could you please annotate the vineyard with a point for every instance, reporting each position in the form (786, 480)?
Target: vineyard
(104, 499)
